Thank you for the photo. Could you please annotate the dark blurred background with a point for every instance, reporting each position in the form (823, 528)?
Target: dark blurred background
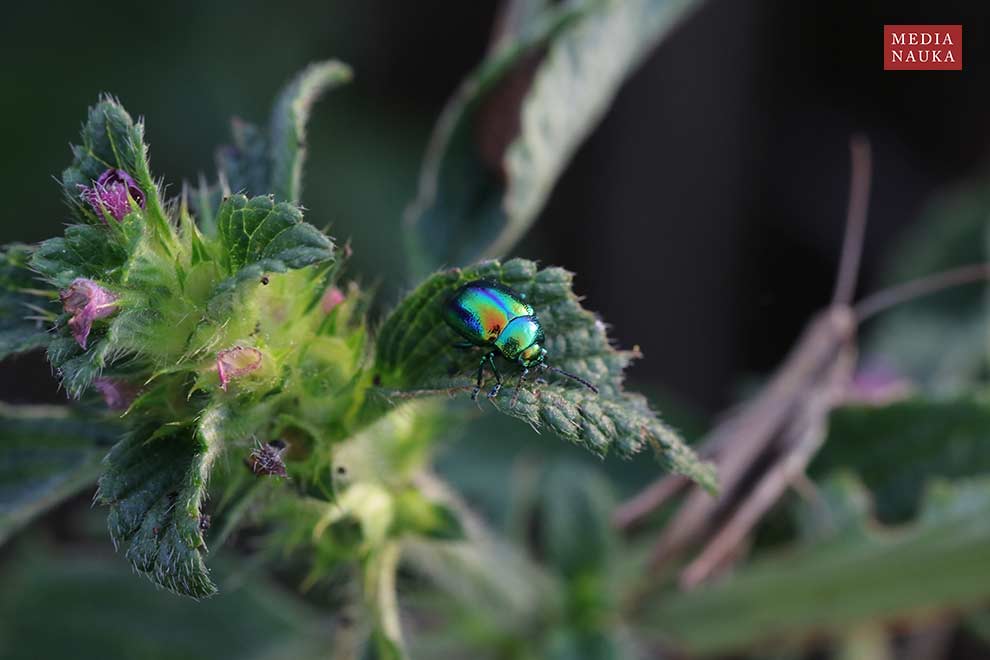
(704, 216)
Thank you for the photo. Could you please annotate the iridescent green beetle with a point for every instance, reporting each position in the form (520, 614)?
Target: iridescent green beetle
(491, 315)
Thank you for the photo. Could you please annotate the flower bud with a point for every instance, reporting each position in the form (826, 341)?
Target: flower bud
(118, 394)
(267, 460)
(236, 362)
(109, 194)
(86, 301)
(331, 298)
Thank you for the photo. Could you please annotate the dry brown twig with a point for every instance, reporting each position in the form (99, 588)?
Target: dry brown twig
(778, 432)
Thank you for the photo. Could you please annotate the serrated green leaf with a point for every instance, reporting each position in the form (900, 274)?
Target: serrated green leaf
(259, 231)
(416, 351)
(478, 200)
(84, 251)
(260, 236)
(155, 483)
(868, 575)
(897, 448)
(47, 455)
(288, 125)
(23, 307)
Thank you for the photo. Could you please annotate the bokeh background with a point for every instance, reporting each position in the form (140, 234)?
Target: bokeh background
(703, 217)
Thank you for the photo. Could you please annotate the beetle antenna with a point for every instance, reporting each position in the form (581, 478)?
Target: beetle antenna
(572, 377)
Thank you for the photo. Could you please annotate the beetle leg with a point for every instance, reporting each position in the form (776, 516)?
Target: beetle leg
(498, 378)
(522, 379)
(463, 345)
(481, 375)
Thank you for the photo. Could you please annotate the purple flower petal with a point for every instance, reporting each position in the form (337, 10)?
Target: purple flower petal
(878, 383)
(109, 194)
(331, 298)
(86, 301)
(236, 362)
(118, 394)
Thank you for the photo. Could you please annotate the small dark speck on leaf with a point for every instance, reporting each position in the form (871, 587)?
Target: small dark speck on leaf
(265, 280)
(377, 380)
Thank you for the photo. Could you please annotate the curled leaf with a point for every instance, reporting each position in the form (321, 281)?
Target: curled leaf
(510, 130)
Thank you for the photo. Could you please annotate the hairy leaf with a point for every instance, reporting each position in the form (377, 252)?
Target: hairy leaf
(416, 351)
(288, 125)
(897, 448)
(259, 236)
(84, 251)
(47, 455)
(155, 484)
(260, 233)
(509, 132)
(861, 574)
(22, 307)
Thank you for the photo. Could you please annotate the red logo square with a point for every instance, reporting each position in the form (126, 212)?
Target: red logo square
(922, 47)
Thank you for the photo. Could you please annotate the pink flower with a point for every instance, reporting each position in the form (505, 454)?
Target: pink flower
(86, 301)
(236, 362)
(877, 383)
(331, 298)
(112, 192)
(118, 394)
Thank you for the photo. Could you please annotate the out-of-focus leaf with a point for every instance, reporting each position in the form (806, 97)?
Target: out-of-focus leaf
(580, 544)
(103, 612)
(514, 124)
(861, 574)
(22, 309)
(155, 484)
(271, 162)
(576, 510)
(416, 514)
(492, 591)
(46, 455)
(897, 448)
(380, 569)
(416, 352)
(288, 125)
(940, 341)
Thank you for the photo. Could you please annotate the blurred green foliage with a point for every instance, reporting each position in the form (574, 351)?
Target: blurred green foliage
(506, 543)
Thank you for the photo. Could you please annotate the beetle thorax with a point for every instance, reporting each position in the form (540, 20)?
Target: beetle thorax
(520, 339)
